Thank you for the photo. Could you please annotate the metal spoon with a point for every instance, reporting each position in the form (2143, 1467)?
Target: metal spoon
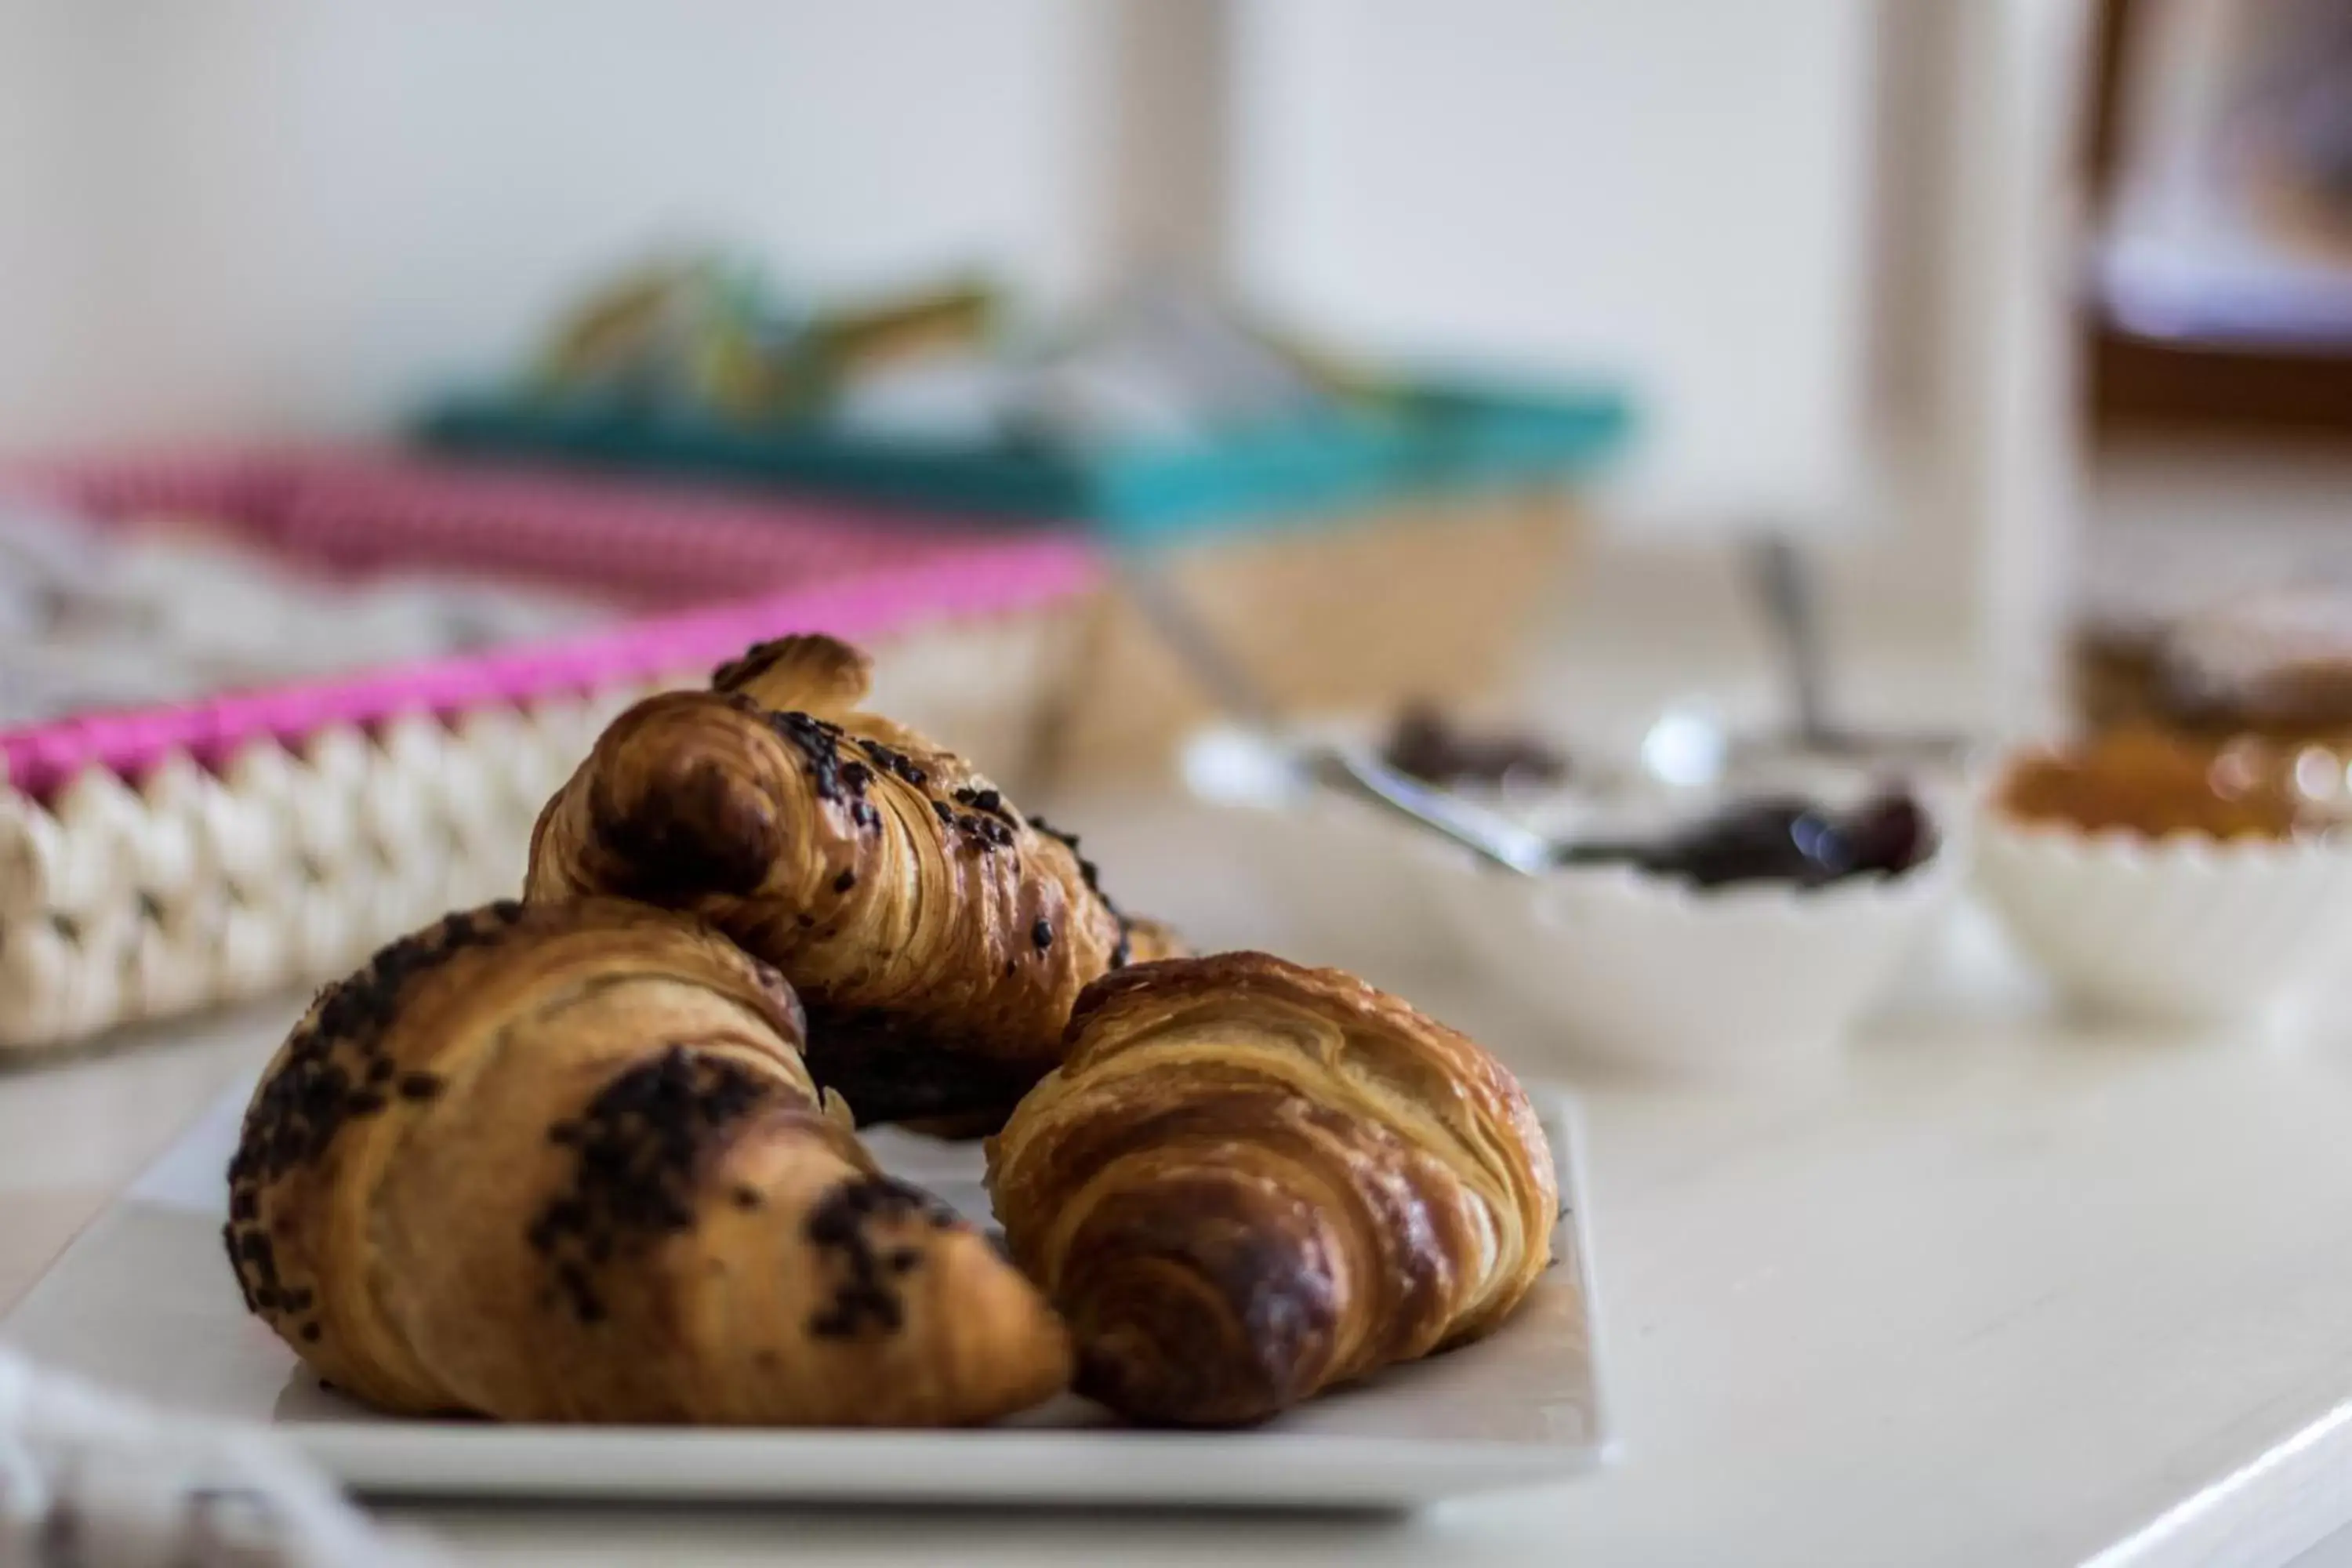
(1492, 837)
(1348, 770)
(1784, 586)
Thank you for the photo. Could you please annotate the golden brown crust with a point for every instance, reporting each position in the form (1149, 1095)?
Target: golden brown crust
(1250, 1181)
(564, 1162)
(809, 673)
(938, 935)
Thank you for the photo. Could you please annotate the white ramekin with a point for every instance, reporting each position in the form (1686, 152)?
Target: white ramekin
(1650, 972)
(2184, 929)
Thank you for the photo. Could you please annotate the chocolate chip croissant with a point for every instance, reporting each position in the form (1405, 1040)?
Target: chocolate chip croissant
(1249, 1182)
(938, 937)
(564, 1163)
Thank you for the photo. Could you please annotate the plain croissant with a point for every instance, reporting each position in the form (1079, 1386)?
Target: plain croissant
(564, 1163)
(1250, 1181)
(938, 937)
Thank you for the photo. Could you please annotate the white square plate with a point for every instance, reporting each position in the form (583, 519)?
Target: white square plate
(142, 1302)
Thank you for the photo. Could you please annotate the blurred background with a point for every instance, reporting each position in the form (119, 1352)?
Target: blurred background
(249, 220)
(1110, 365)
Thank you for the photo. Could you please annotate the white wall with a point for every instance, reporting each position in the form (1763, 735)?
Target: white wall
(254, 215)
(1677, 190)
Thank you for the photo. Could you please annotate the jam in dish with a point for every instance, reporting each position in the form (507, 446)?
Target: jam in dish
(1779, 840)
(2155, 783)
(1426, 745)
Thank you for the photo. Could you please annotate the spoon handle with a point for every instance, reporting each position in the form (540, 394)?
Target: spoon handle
(1784, 582)
(1490, 836)
(1229, 683)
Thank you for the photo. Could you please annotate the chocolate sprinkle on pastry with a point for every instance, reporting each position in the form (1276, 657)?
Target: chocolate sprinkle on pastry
(640, 1145)
(842, 1224)
(330, 1061)
(1090, 874)
(817, 742)
(1068, 840)
(893, 761)
(988, 803)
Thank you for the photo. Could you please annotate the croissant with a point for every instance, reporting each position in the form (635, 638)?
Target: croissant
(1249, 1182)
(565, 1164)
(938, 937)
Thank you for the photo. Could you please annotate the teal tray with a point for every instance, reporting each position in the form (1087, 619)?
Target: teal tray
(1436, 438)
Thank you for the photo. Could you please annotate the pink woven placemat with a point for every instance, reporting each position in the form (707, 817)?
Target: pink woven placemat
(778, 567)
(651, 543)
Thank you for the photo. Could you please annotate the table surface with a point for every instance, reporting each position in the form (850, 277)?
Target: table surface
(1997, 1290)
